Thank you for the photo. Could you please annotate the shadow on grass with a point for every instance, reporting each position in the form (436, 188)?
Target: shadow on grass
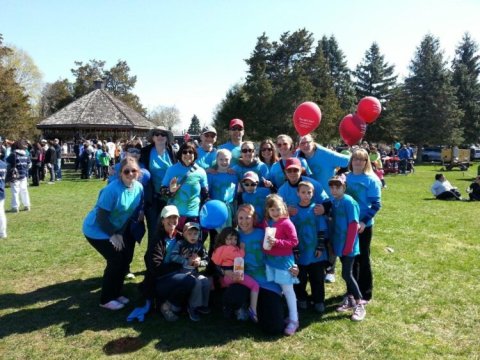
(73, 306)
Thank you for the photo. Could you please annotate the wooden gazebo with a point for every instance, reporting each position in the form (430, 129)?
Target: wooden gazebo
(96, 115)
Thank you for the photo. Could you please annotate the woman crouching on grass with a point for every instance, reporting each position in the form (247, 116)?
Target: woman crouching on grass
(104, 227)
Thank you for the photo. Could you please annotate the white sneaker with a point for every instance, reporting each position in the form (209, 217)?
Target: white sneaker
(130, 276)
(112, 305)
(330, 278)
(359, 313)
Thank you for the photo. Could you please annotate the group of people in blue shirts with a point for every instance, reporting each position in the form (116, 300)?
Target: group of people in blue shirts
(295, 190)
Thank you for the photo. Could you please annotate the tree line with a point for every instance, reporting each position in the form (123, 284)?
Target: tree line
(437, 103)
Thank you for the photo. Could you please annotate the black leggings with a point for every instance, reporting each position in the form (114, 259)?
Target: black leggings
(362, 267)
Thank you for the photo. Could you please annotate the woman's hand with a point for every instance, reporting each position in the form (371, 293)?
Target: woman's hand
(294, 270)
(117, 241)
(174, 186)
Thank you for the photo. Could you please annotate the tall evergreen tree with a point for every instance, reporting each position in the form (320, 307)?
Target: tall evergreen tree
(194, 128)
(375, 77)
(339, 72)
(432, 114)
(466, 68)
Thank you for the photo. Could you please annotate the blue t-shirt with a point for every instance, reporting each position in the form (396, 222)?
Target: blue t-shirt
(257, 167)
(206, 159)
(169, 245)
(158, 167)
(277, 175)
(323, 164)
(222, 186)
(308, 225)
(365, 189)
(192, 179)
(257, 199)
(117, 199)
(290, 195)
(234, 149)
(344, 211)
(255, 259)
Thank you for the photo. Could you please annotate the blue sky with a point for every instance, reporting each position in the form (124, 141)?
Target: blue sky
(189, 53)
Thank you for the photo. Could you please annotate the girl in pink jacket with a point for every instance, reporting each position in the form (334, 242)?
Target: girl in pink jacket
(224, 254)
(279, 257)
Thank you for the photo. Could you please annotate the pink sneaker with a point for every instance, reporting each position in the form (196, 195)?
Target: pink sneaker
(347, 303)
(291, 328)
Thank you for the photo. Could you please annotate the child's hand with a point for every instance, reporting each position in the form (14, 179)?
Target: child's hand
(361, 227)
(319, 209)
(211, 171)
(242, 246)
(318, 253)
(194, 260)
(271, 240)
(267, 183)
(292, 211)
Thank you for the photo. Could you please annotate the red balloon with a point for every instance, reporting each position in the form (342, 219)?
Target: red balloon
(352, 129)
(369, 109)
(306, 118)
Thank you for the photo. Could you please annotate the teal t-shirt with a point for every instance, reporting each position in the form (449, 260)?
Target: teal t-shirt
(158, 167)
(344, 211)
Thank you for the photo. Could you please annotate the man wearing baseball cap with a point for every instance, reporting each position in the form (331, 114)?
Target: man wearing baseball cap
(236, 131)
(288, 191)
(207, 153)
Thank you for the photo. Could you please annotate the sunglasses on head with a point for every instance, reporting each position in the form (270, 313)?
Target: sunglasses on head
(267, 149)
(249, 184)
(129, 171)
(187, 152)
(247, 151)
(236, 128)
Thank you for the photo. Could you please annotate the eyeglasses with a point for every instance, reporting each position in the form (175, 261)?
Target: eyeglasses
(303, 143)
(358, 159)
(160, 133)
(236, 128)
(283, 144)
(267, 149)
(249, 184)
(292, 170)
(129, 171)
(133, 151)
(247, 151)
(209, 135)
(187, 152)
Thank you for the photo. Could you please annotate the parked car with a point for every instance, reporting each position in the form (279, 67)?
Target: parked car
(474, 153)
(433, 153)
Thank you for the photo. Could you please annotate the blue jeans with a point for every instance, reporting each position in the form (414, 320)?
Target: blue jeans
(58, 169)
(175, 288)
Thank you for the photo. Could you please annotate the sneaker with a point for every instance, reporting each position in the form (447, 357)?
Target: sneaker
(193, 314)
(252, 315)
(130, 276)
(14, 210)
(242, 314)
(112, 305)
(26, 208)
(302, 304)
(167, 312)
(330, 278)
(123, 300)
(347, 304)
(204, 310)
(291, 328)
(320, 308)
(359, 313)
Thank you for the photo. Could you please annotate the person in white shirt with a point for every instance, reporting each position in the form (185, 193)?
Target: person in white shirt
(443, 190)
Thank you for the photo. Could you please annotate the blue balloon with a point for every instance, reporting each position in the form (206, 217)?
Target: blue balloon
(398, 145)
(213, 214)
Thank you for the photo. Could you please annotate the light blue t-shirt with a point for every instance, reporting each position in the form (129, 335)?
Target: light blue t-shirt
(308, 225)
(257, 200)
(206, 159)
(323, 164)
(364, 189)
(158, 167)
(255, 259)
(117, 199)
(290, 195)
(191, 179)
(222, 186)
(277, 175)
(344, 211)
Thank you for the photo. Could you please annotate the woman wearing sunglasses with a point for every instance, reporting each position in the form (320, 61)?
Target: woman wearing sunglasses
(156, 157)
(249, 162)
(185, 184)
(106, 229)
(267, 153)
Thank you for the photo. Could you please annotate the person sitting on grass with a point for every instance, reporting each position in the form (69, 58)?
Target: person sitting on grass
(443, 190)
(474, 190)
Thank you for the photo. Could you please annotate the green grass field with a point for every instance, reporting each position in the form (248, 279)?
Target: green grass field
(426, 301)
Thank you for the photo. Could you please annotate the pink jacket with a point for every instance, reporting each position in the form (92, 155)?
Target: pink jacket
(225, 254)
(286, 236)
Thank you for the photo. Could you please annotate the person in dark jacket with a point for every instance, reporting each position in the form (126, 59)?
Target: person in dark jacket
(37, 156)
(3, 218)
(51, 160)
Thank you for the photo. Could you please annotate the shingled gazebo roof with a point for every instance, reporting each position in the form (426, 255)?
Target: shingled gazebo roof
(96, 111)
